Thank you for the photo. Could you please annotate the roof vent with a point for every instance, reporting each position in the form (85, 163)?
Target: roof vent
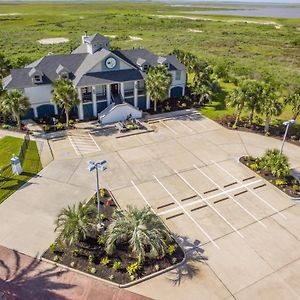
(50, 53)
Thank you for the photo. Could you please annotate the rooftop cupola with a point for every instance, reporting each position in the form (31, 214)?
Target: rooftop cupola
(95, 42)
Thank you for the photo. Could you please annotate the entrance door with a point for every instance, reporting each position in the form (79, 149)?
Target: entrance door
(114, 88)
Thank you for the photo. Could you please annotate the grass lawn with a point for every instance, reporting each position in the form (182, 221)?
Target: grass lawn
(31, 166)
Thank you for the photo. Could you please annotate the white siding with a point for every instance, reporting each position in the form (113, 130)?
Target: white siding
(39, 94)
(178, 82)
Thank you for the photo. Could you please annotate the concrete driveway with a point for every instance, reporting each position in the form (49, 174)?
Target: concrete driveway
(240, 233)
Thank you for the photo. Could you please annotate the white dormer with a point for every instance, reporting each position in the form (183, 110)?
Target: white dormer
(36, 75)
(62, 72)
(143, 64)
(163, 61)
(95, 42)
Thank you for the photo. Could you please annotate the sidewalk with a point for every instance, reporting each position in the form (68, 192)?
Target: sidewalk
(24, 277)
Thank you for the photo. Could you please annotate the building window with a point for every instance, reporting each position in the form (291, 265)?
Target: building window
(37, 78)
(145, 67)
(178, 75)
(166, 65)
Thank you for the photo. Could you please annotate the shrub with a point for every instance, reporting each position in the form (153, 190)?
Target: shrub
(91, 258)
(75, 252)
(295, 187)
(105, 261)
(52, 247)
(275, 162)
(253, 167)
(46, 127)
(72, 264)
(117, 265)
(5, 126)
(59, 126)
(111, 277)
(101, 239)
(280, 182)
(156, 267)
(174, 260)
(171, 249)
(102, 193)
(93, 270)
(102, 217)
(133, 268)
(56, 258)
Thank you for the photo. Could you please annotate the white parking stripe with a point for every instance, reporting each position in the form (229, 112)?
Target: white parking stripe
(235, 201)
(216, 211)
(190, 129)
(73, 145)
(168, 127)
(208, 198)
(94, 141)
(251, 191)
(83, 144)
(141, 194)
(187, 213)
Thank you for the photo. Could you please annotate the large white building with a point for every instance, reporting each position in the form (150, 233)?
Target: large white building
(103, 77)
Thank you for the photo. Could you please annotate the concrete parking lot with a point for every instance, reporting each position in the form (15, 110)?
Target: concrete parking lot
(240, 233)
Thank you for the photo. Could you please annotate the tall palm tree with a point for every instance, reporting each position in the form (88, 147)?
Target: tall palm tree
(203, 92)
(271, 106)
(16, 103)
(65, 96)
(5, 66)
(236, 99)
(158, 83)
(73, 223)
(142, 229)
(294, 100)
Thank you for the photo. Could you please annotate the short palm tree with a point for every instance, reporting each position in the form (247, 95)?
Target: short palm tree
(236, 99)
(271, 106)
(275, 162)
(142, 229)
(203, 92)
(294, 100)
(65, 96)
(73, 223)
(158, 83)
(16, 103)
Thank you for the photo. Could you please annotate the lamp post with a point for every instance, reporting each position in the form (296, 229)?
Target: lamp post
(287, 124)
(99, 165)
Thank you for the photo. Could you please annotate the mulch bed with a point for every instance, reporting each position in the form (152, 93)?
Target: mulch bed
(275, 131)
(286, 188)
(77, 256)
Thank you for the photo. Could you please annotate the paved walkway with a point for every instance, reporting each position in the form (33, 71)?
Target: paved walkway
(25, 278)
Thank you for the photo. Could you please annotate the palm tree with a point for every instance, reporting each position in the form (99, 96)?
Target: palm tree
(16, 103)
(271, 106)
(158, 83)
(253, 96)
(73, 223)
(236, 99)
(203, 91)
(294, 100)
(142, 229)
(5, 66)
(65, 96)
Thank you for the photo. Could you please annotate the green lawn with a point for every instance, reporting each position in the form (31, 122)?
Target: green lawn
(31, 166)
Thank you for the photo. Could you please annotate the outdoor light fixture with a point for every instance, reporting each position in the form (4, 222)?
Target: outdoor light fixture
(287, 124)
(97, 165)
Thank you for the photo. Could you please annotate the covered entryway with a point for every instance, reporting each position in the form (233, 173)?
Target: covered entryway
(176, 92)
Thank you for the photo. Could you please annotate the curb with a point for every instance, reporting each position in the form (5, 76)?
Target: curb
(292, 198)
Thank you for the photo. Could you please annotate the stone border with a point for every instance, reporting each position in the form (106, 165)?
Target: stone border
(292, 198)
(134, 133)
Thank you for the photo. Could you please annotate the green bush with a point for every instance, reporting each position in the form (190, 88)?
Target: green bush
(253, 167)
(52, 247)
(72, 264)
(105, 261)
(295, 187)
(280, 182)
(133, 268)
(93, 270)
(59, 126)
(117, 265)
(5, 126)
(56, 258)
(275, 162)
(46, 127)
(91, 258)
(101, 239)
(171, 249)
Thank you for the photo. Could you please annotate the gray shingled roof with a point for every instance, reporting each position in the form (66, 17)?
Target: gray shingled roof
(110, 77)
(97, 38)
(133, 55)
(48, 65)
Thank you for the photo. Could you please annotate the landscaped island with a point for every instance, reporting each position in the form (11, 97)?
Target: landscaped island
(132, 244)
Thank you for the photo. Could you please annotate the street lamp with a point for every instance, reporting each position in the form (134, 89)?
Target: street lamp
(287, 124)
(97, 165)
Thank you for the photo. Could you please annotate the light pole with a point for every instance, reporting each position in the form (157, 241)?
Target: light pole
(287, 124)
(99, 165)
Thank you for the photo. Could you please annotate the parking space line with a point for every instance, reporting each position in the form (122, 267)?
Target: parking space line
(235, 201)
(74, 146)
(208, 198)
(94, 142)
(251, 191)
(181, 123)
(186, 212)
(216, 211)
(160, 121)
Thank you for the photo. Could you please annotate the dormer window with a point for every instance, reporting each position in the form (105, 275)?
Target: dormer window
(37, 78)
(62, 72)
(145, 67)
(166, 65)
(64, 75)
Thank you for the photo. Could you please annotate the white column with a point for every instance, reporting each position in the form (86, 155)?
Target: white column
(122, 90)
(94, 98)
(147, 102)
(169, 93)
(183, 90)
(55, 109)
(135, 93)
(80, 106)
(35, 111)
(108, 94)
